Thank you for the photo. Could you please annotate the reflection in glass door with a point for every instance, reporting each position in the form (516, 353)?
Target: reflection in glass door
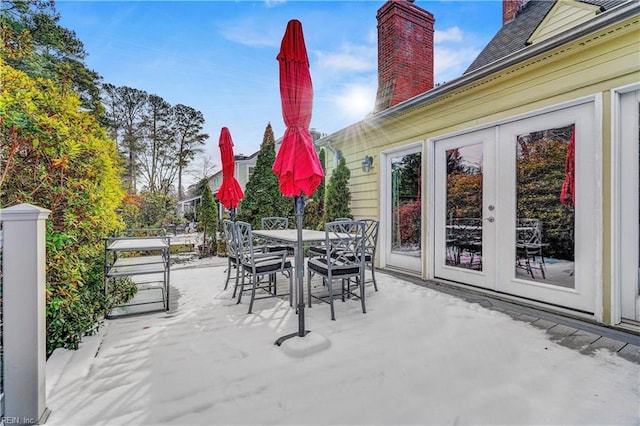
(545, 199)
(464, 207)
(404, 231)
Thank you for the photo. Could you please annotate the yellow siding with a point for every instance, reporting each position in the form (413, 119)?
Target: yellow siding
(564, 15)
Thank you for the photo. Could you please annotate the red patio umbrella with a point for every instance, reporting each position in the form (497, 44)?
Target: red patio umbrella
(569, 184)
(230, 192)
(297, 164)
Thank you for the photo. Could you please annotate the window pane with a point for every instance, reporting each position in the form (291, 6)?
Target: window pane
(464, 207)
(406, 230)
(545, 206)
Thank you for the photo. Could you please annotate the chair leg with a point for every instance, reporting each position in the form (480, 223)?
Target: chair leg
(330, 288)
(253, 292)
(226, 283)
(235, 288)
(361, 282)
(291, 288)
(309, 286)
(241, 289)
(373, 277)
(237, 280)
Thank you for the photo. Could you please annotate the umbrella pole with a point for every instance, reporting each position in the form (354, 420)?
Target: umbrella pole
(299, 259)
(232, 213)
(299, 210)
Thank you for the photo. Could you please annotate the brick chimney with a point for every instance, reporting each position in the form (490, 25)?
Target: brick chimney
(405, 52)
(510, 9)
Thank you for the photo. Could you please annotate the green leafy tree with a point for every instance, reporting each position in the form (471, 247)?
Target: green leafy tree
(56, 156)
(208, 221)
(338, 194)
(540, 172)
(262, 196)
(314, 210)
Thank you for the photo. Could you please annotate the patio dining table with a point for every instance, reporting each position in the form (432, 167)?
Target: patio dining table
(290, 237)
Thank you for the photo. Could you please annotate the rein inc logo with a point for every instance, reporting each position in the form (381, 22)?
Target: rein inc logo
(19, 421)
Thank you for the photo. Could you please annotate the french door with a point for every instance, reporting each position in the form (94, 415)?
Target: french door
(465, 215)
(516, 207)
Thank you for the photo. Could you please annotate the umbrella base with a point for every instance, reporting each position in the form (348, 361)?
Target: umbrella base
(289, 336)
(311, 344)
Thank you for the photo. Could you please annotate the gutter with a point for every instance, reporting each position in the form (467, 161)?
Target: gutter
(605, 19)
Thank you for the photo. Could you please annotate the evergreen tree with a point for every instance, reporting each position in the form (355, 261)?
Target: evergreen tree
(262, 196)
(338, 194)
(35, 43)
(314, 210)
(208, 221)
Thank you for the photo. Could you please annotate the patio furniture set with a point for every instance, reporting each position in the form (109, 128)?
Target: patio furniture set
(343, 251)
(464, 244)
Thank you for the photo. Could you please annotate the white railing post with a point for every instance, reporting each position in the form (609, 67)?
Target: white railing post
(24, 313)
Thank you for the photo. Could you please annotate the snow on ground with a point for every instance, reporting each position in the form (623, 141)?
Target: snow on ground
(416, 357)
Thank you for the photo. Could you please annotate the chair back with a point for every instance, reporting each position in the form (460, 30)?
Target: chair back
(274, 223)
(345, 242)
(245, 241)
(230, 238)
(371, 235)
(529, 231)
(341, 219)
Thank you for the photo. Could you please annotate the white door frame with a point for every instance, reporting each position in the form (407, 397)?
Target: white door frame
(596, 227)
(387, 259)
(624, 217)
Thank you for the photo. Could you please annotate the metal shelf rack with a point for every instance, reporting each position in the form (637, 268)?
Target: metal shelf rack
(135, 256)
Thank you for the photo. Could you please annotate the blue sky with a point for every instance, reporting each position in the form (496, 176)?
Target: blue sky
(219, 56)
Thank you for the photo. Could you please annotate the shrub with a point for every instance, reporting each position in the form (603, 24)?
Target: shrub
(57, 156)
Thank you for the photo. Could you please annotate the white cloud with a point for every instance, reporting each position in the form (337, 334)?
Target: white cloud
(273, 3)
(349, 58)
(450, 63)
(450, 34)
(250, 33)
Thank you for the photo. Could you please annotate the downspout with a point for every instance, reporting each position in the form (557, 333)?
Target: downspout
(337, 154)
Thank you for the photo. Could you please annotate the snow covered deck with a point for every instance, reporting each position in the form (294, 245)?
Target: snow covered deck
(417, 357)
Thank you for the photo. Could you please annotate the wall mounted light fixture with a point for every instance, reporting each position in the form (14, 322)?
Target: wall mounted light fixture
(367, 162)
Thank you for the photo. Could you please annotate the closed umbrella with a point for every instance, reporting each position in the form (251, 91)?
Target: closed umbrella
(230, 192)
(297, 164)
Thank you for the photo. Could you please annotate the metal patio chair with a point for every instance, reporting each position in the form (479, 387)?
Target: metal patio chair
(529, 246)
(344, 259)
(371, 233)
(276, 222)
(233, 254)
(319, 250)
(256, 264)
